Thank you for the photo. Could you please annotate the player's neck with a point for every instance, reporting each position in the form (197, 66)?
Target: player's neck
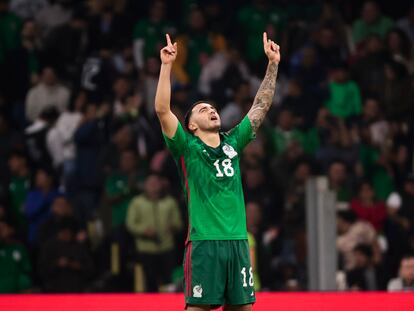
(211, 139)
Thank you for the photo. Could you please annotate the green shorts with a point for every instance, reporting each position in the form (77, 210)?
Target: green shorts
(218, 273)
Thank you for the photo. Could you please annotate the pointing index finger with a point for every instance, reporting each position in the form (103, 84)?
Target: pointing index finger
(168, 39)
(264, 38)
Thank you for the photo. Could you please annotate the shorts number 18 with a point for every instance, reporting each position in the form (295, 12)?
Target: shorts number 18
(244, 274)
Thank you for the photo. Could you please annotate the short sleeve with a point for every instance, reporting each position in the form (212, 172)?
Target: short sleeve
(178, 143)
(243, 133)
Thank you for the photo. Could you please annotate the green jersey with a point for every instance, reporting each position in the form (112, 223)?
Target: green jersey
(211, 181)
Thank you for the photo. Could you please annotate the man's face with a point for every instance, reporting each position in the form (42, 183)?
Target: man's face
(371, 108)
(16, 163)
(153, 186)
(204, 117)
(407, 269)
(337, 173)
(6, 231)
(49, 76)
(61, 207)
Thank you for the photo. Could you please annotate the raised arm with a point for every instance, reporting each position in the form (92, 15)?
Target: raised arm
(168, 120)
(264, 96)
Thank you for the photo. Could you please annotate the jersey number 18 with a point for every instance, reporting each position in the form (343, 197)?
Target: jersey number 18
(227, 168)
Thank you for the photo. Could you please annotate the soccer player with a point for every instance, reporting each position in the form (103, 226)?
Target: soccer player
(217, 264)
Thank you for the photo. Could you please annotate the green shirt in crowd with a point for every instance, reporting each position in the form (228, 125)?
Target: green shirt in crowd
(361, 30)
(153, 35)
(345, 99)
(15, 269)
(10, 29)
(282, 139)
(18, 189)
(254, 22)
(117, 184)
(382, 182)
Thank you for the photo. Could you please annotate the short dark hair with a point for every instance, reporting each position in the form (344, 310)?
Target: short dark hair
(189, 112)
(409, 255)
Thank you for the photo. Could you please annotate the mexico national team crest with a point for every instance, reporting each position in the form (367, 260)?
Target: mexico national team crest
(229, 151)
(197, 291)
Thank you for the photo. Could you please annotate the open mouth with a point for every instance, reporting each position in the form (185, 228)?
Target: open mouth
(213, 118)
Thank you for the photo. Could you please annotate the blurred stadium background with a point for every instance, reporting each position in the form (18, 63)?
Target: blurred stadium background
(90, 200)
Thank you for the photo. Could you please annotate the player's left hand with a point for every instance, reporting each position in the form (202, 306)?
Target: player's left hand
(271, 49)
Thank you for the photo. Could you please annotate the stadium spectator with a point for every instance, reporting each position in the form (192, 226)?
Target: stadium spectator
(10, 27)
(339, 181)
(60, 140)
(367, 208)
(398, 45)
(18, 186)
(396, 103)
(371, 22)
(121, 140)
(149, 33)
(352, 232)
(345, 98)
(330, 50)
(285, 132)
(253, 19)
(294, 209)
(196, 45)
(67, 44)
(366, 275)
(122, 185)
(39, 200)
(121, 88)
(60, 209)
(10, 140)
(306, 68)
(53, 15)
(150, 80)
(65, 264)
(368, 69)
(303, 106)
(405, 280)
(153, 218)
(89, 138)
(15, 265)
(48, 93)
(36, 136)
(22, 69)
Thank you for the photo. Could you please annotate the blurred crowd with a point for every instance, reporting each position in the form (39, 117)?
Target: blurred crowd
(90, 199)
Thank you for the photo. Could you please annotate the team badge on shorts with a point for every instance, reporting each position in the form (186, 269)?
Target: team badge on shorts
(197, 291)
(229, 151)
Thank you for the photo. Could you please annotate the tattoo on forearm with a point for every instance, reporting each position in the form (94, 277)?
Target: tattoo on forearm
(264, 97)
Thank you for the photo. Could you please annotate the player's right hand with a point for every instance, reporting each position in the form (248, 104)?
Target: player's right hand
(169, 52)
